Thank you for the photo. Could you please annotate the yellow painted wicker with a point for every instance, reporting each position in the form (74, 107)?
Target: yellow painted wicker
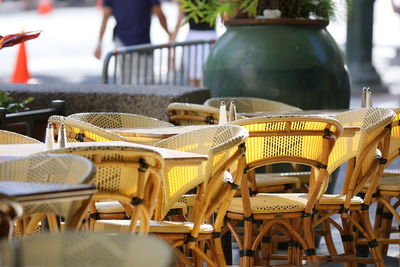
(224, 146)
(128, 174)
(79, 131)
(252, 104)
(208, 141)
(87, 249)
(112, 120)
(388, 189)
(365, 152)
(55, 169)
(300, 139)
(7, 137)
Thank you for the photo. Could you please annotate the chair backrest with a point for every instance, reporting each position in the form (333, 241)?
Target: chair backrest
(129, 174)
(366, 152)
(192, 114)
(110, 120)
(86, 249)
(222, 144)
(252, 104)
(301, 139)
(80, 131)
(57, 169)
(395, 137)
(7, 137)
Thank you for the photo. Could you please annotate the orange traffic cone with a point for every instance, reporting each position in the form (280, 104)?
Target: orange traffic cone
(45, 6)
(21, 73)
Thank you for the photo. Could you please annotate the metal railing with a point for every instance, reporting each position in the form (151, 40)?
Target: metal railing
(166, 64)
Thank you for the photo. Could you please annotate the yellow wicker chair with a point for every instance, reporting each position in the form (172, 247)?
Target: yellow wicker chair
(57, 169)
(306, 140)
(7, 137)
(252, 104)
(365, 165)
(388, 189)
(86, 249)
(225, 148)
(192, 114)
(267, 182)
(129, 176)
(80, 131)
(112, 120)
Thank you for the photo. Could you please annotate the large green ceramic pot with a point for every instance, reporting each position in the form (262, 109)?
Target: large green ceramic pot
(288, 60)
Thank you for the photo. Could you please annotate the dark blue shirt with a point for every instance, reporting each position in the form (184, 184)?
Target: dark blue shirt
(133, 19)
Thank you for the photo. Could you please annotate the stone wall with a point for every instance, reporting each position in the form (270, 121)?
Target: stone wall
(145, 100)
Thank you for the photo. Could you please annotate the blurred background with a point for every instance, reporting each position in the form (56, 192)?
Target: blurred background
(64, 51)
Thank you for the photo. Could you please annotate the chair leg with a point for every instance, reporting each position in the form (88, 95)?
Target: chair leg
(386, 225)
(326, 228)
(247, 258)
(375, 248)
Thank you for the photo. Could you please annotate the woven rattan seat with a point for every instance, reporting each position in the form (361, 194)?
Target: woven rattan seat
(55, 169)
(112, 120)
(109, 207)
(391, 183)
(271, 179)
(282, 203)
(252, 104)
(7, 137)
(80, 131)
(155, 227)
(87, 249)
(192, 114)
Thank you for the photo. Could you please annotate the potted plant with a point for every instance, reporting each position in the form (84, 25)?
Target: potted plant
(275, 49)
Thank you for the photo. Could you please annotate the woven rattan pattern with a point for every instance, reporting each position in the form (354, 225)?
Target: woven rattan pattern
(371, 121)
(77, 129)
(252, 104)
(57, 169)
(110, 120)
(118, 174)
(218, 142)
(7, 137)
(88, 249)
(117, 226)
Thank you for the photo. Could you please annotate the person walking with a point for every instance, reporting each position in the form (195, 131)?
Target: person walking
(133, 18)
(197, 32)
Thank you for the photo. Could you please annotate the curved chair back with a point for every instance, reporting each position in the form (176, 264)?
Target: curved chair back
(252, 104)
(131, 175)
(192, 114)
(87, 249)
(366, 151)
(395, 137)
(7, 137)
(54, 169)
(221, 144)
(306, 140)
(80, 131)
(111, 120)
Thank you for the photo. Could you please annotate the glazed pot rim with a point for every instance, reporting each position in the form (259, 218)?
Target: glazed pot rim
(280, 21)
